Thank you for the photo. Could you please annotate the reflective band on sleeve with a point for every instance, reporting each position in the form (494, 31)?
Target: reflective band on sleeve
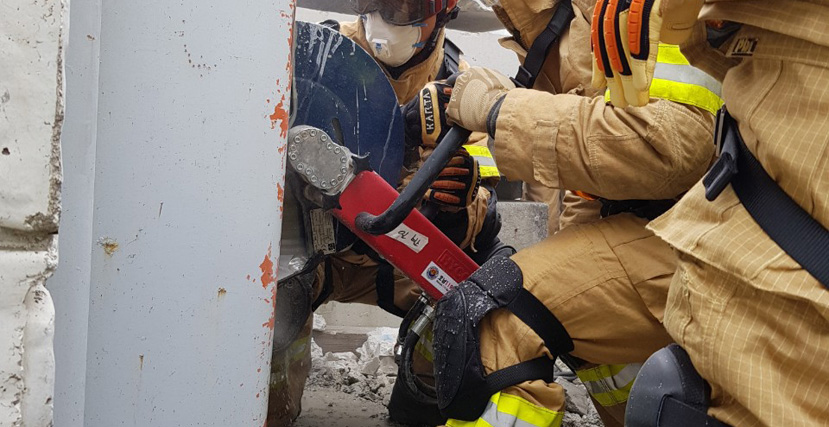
(424, 345)
(609, 384)
(670, 54)
(685, 93)
(485, 160)
(506, 410)
(674, 79)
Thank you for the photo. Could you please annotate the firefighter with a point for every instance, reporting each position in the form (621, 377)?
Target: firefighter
(407, 39)
(595, 292)
(749, 302)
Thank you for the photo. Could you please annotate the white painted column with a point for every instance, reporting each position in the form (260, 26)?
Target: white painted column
(31, 114)
(173, 217)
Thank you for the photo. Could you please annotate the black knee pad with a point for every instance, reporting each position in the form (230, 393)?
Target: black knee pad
(668, 391)
(463, 388)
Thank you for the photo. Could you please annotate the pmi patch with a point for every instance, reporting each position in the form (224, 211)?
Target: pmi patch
(743, 47)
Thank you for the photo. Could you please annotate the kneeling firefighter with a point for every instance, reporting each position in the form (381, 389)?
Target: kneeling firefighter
(748, 307)
(406, 37)
(594, 293)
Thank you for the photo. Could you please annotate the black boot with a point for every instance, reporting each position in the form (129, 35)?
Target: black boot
(412, 409)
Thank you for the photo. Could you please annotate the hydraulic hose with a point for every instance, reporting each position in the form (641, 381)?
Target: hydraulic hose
(414, 192)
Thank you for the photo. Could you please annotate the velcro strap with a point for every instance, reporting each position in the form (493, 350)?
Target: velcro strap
(537, 316)
(674, 413)
(540, 368)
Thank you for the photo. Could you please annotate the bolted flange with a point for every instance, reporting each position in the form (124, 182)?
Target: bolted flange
(321, 162)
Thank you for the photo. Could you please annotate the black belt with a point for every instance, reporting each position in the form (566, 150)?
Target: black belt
(648, 209)
(789, 225)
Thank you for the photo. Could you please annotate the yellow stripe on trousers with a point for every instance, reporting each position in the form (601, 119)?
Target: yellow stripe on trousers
(506, 410)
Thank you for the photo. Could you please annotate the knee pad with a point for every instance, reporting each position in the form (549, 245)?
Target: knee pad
(668, 391)
(463, 388)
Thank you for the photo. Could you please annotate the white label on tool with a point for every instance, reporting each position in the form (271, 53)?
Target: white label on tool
(414, 240)
(322, 231)
(438, 278)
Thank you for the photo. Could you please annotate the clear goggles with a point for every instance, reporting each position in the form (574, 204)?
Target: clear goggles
(399, 12)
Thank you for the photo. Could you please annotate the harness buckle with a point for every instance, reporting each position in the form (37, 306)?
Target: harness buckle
(725, 168)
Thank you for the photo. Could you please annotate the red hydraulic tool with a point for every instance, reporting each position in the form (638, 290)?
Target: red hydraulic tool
(385, 219)
(388, 222)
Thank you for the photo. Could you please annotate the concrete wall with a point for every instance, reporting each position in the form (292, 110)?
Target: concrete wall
(31, 114)
(176, 125)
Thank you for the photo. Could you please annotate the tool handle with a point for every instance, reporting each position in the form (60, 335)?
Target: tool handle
(413, 193)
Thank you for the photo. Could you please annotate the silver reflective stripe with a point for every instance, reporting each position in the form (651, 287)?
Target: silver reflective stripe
(502, 419)
(687, 74)
(616, 382)
(485, 161)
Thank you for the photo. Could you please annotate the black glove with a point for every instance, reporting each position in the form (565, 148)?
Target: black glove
(457, 184)
(426, 115)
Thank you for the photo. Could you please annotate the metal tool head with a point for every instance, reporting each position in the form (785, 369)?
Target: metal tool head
(321, 162)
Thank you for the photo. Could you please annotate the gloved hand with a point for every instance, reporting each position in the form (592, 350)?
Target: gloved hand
(625, 36)
(426, 126)
(426, 115)
(476, 91)
(457, 184)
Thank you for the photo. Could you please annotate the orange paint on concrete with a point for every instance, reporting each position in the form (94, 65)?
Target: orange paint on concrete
(268, 279)
(270, 323)
(280, 114)
(280, 195)
(267, 269)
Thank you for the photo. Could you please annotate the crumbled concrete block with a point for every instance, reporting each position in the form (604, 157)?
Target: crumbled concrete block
(523, 224)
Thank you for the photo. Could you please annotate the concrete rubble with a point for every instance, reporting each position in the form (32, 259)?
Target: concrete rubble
(352, 388)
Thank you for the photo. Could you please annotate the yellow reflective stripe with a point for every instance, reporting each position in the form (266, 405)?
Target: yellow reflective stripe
(506, 410)
(298, 349)
(424, 345)
(613, 397)
(478, 151)
(685, 93)
(675, 79)
(486, 163)
(609, 384)
(489, 171)
(670, 54)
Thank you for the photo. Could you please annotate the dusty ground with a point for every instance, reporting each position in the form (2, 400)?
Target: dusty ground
(351, 388)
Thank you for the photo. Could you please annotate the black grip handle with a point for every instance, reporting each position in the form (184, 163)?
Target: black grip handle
(413, 193)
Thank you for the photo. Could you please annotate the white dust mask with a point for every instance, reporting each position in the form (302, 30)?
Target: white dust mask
(392, 45)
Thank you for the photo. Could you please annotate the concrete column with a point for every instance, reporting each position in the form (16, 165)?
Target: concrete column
(31, 115)
(176, 126)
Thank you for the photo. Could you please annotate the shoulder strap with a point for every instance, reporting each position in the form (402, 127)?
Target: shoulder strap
(529, 70)
(791, 227)
(451, 59)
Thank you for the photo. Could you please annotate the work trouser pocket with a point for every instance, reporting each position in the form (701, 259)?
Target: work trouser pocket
(678, 315)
